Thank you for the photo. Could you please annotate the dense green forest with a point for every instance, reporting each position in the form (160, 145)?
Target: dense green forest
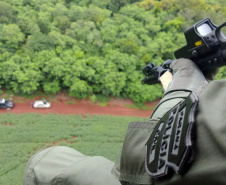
(90, 47)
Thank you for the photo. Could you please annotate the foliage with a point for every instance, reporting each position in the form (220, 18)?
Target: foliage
(23, 135)
(93, 47)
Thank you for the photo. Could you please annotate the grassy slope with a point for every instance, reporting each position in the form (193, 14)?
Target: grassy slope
(23, 135)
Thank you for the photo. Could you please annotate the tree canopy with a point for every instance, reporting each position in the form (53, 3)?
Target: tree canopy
(89, 47)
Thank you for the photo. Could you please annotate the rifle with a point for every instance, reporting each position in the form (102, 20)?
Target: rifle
(206, 46)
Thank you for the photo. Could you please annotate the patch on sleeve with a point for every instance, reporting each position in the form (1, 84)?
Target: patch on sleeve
(171, 143)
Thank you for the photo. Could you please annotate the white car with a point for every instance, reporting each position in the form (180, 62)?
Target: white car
(41, 104)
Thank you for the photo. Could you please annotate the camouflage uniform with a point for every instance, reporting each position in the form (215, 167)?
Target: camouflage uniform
(63, 165)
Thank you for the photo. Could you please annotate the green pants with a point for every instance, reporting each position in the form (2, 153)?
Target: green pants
(62, 165)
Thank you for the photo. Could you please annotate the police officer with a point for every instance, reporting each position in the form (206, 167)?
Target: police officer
(205, 164)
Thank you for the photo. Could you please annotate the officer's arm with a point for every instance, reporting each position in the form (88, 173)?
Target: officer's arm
(186, 76)
(165, 79)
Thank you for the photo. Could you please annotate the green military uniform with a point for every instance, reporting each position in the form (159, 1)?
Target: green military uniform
(63, 165)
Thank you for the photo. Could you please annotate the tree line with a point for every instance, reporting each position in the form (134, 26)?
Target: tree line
(89, 47)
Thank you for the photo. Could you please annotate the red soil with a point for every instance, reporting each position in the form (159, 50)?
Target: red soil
(65, 105)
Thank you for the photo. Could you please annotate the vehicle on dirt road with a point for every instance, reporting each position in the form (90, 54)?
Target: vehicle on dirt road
(41, 104)
(4, 104)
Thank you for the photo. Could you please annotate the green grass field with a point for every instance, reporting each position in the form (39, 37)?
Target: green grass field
(23, 135)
